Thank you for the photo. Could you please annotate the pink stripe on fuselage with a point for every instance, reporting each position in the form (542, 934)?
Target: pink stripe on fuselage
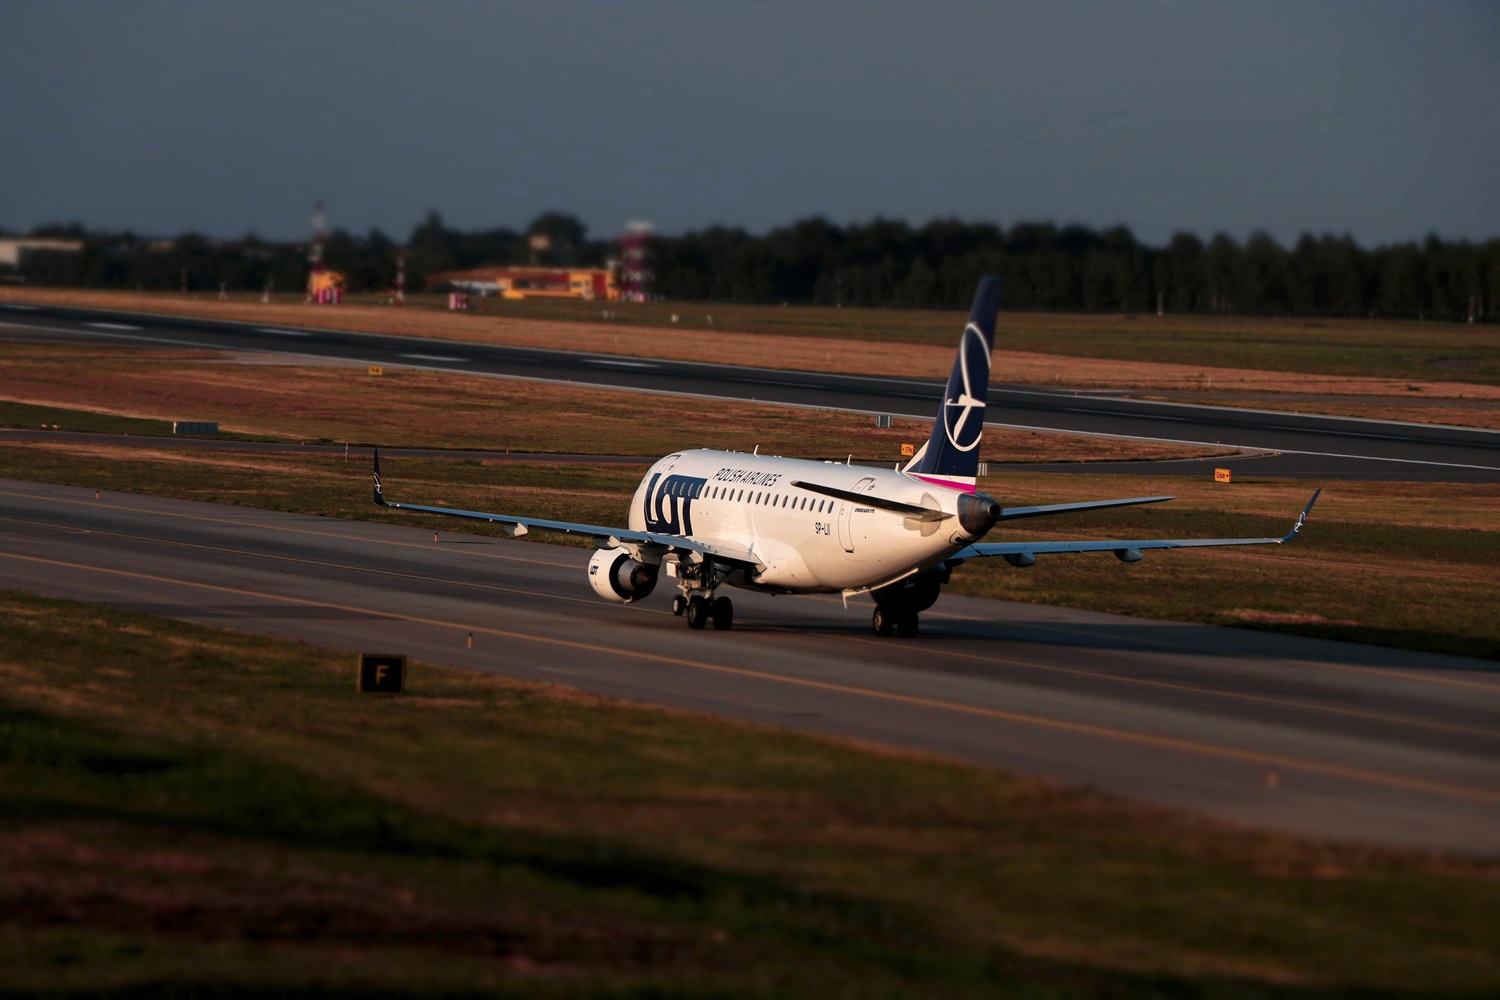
(961, 485)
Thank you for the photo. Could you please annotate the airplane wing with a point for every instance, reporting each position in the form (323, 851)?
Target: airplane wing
(1025, 553)
(605, 536)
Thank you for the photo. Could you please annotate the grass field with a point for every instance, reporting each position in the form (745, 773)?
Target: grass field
(165, 830)
(140, 392)
(1331, 346)
(1411, 371)
(188, 810)
(1377, 348)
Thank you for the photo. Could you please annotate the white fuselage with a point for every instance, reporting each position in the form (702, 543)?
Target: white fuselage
(805, 541)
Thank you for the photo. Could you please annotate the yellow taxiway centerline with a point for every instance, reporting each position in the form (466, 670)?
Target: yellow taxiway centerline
(1285, 763)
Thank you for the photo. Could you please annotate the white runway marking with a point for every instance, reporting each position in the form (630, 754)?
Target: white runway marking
(620, 364)
(772, 381)
(283, 333)
(112, 326)
(433, 357)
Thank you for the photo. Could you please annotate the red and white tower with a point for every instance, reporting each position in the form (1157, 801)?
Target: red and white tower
(319, 237)
(635, 265)
(323, 286)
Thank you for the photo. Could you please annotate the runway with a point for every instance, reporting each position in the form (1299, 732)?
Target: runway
(1350, 741)
(1293, 445)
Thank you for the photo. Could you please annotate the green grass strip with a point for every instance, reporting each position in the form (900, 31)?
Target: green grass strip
(183, 808)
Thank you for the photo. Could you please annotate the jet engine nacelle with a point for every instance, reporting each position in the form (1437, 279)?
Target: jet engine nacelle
(617, 577)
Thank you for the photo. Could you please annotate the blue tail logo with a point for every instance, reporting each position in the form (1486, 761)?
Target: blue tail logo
(951, 455)
(966, 391)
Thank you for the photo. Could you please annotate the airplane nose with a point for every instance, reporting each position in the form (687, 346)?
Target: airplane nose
(977, 513)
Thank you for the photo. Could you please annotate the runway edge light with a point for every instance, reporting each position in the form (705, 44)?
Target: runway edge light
(381, 673)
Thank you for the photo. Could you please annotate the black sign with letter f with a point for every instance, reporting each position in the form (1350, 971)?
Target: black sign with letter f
(381, 674)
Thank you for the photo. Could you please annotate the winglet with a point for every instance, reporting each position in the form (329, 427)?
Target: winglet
(1302, 518)
(379, 500)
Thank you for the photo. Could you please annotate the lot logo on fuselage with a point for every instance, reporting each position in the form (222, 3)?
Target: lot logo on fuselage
(963, 426)
(669, 503)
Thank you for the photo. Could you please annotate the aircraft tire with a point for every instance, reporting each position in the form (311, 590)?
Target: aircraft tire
(906, 625)
(723, 613)
(883, 622)
(679, 605)
(697, 612)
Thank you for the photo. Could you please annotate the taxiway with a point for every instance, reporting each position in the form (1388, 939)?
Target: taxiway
(1325, 738)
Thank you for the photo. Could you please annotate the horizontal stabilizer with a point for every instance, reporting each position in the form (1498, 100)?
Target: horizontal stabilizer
(1015, 513)
(1025, 553)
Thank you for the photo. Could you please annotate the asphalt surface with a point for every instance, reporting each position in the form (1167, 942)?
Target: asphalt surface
(1326, 738)
(1289, 445)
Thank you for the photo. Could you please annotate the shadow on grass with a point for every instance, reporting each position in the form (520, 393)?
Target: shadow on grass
(1417, 640)
(54, 769)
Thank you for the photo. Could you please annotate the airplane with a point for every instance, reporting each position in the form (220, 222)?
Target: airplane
(708, 519)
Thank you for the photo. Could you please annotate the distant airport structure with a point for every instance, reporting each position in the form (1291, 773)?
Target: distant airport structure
(628, 279)
(600, 283)
(11, 250)
(324, 286)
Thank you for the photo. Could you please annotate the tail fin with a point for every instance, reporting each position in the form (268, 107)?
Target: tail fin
(951, 455)
(379, 497)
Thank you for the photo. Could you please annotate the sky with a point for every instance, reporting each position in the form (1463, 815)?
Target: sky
(1375, 119)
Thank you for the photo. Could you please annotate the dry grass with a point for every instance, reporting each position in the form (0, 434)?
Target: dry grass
(789, 349)
(415, 408)
(1412, 565)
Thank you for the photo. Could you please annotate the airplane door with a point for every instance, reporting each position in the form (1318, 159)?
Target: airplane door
(846, 514)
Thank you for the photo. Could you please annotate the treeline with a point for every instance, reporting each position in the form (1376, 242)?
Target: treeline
(881, 263)
(1073, 268)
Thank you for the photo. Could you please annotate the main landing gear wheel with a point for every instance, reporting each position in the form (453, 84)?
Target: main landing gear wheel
(697, 612)
(723, 613)
(886, 621)
(679, 605)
